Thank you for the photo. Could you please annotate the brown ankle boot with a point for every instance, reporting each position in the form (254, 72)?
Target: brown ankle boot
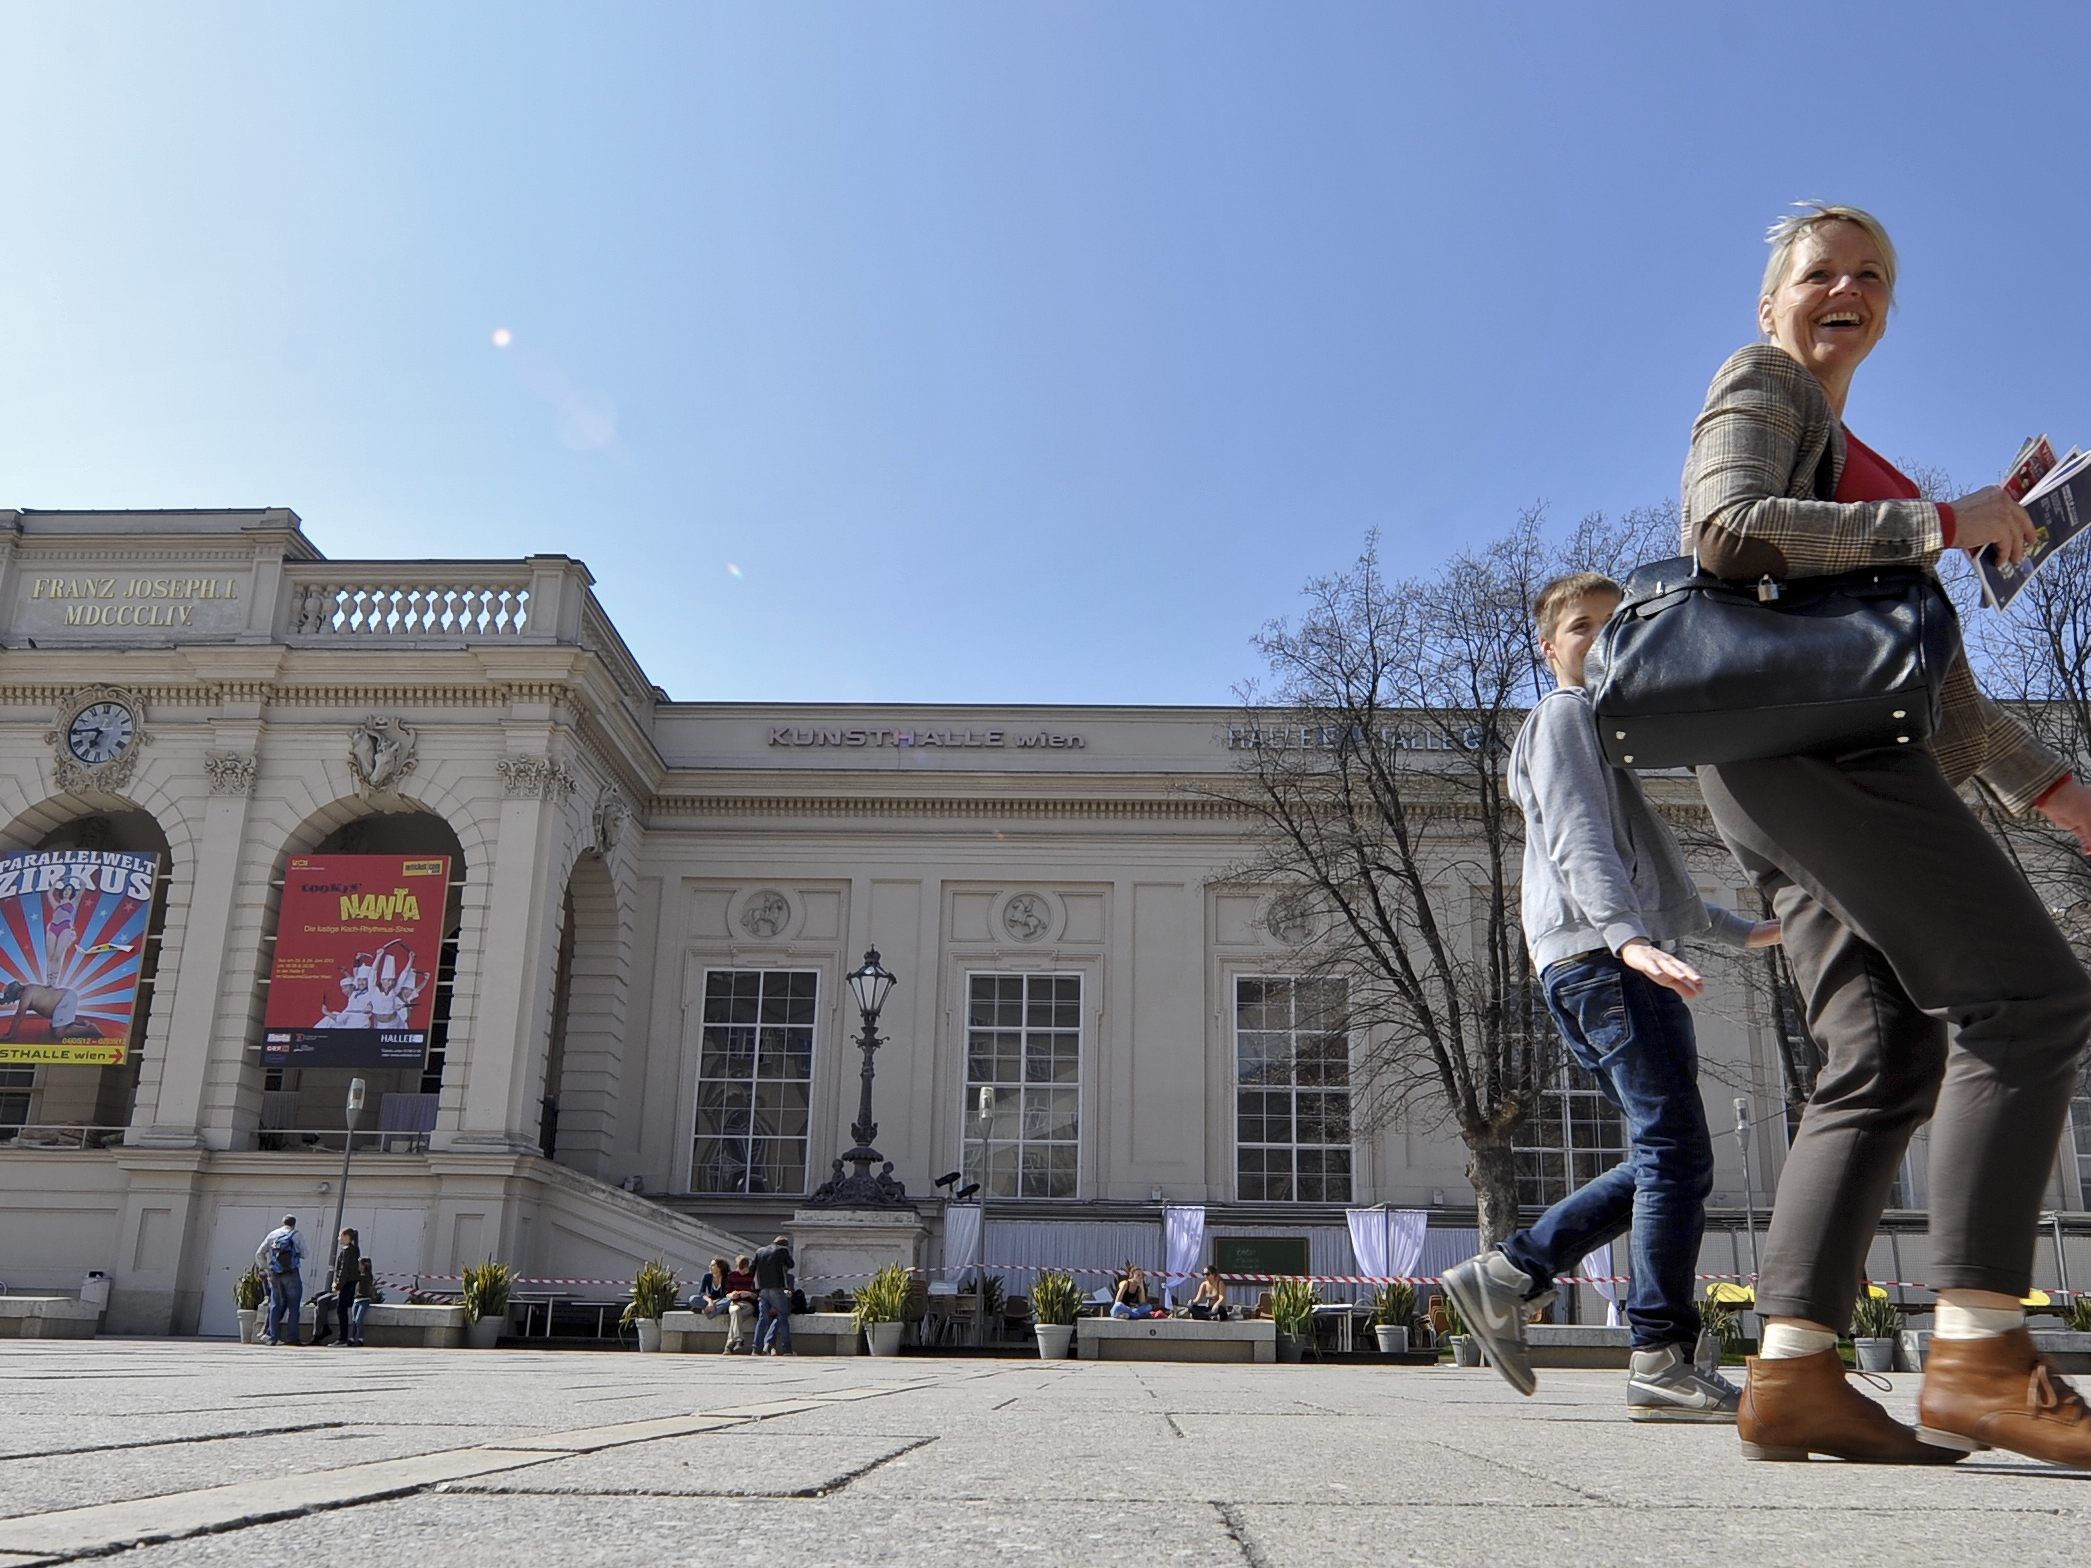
(1802, 1405)
(1999, 1393)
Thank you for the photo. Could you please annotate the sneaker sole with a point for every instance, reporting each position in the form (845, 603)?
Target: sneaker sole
(1470, 1310)
(1680, 1414)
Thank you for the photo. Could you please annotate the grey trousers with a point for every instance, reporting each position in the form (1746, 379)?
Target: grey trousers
(1937, 986)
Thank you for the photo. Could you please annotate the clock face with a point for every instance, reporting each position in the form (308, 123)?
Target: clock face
(101, 733)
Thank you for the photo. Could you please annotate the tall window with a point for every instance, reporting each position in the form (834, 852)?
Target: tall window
(1292, 1091)
(15, 1084)
(1024, 1085)
(2080, 1142)
(754, 1081)
(1574, 1135)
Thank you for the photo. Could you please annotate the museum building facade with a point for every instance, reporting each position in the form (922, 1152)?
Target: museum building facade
(642, 1039)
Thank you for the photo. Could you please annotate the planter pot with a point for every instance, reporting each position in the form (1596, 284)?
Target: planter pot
(1706, 1353)
(1289, 1347)
(1874, 1355)
(649, 1331)
(1053, 1339)
(1392, 1341)
(247, 1315)
(1466, 1350)
(481, 1333)
(883, 1339)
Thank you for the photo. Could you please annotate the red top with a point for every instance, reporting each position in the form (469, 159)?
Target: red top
(1868, 476)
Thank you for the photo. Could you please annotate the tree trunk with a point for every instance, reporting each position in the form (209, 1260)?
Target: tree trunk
(1492, 1171)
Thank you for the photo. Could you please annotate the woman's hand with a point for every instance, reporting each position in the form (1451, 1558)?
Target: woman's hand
(2069, 806)
(1990, 517)
(1765, 933)
(1665, 969)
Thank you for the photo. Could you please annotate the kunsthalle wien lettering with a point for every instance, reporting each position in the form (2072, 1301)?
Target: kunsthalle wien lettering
(72, 940)
(1327, 737)
(906, 738)
(131, 601)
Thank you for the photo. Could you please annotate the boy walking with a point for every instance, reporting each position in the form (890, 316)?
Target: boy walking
(1606, 900)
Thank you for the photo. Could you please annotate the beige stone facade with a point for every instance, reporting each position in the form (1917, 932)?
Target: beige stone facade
(623, 861)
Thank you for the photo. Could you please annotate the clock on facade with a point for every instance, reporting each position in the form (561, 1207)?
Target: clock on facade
(101, 732)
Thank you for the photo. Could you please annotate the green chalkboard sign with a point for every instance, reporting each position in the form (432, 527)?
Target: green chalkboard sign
(1260, 1254)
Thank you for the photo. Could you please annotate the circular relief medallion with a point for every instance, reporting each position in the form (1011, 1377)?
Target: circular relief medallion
(766, 914)
(1027, 917)
(1290, 919)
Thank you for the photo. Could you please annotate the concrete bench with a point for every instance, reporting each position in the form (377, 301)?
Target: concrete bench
(1176, 1339)
(401, 1323)
(812, 1333)
(1579, 1345)
(2069, 1351)
(47, 1317)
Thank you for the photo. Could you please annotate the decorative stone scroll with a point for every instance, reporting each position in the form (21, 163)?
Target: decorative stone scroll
(534, 778)
(381, 753)
(230, 772)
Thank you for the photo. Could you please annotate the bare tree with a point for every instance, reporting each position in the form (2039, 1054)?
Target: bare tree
(1376, 791)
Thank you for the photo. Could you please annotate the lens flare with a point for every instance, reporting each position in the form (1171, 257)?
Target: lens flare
(503, 337)
(733, 571)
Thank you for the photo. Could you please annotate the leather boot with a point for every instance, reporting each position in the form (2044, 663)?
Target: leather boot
(1999, 1393)
(1802, 1405)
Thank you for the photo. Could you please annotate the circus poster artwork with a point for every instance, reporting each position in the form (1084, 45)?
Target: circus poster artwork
(72, 940)
(353, 983)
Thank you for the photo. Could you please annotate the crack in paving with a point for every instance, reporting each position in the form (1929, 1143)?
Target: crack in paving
(1238, 1532)
(173, 1442)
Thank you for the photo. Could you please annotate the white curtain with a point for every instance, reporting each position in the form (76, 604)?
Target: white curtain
(1368, 1239)
(1385, 1243)
(1598, 1266)
(1405, 1228)
(962, 1227)
(1183, 1232)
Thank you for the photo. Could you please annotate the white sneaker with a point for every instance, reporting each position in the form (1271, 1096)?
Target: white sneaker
(1664, 1385)
(1493, 1295)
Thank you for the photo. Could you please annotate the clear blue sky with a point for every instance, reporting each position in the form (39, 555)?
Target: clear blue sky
(1011, 352)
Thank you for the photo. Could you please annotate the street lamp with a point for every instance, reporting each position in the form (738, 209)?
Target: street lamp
(348, 1150)
(870, 984)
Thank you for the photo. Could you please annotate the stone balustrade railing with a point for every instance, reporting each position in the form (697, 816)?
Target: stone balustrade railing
(382, 605)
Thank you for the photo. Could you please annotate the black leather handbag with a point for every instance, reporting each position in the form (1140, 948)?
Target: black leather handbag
(1693, 668)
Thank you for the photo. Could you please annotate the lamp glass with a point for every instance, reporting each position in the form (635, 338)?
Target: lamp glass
(355, 1094)
(871, 983)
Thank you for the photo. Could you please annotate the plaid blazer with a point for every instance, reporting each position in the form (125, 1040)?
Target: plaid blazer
(1767, 452)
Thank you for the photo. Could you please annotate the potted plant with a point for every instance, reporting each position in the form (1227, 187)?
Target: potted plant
(2076, 1317)
(486, 1302)
(879, 1308)
(1465, 1352)
(249, 1291)
(1874, 1325)
(654, 1290)
(1054, 1302)
(1292, 1308)
(1393, 1304)
(1719, 1329)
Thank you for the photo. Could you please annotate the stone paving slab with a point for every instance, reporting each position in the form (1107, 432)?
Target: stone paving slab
(746, 1462)
(617, 1532)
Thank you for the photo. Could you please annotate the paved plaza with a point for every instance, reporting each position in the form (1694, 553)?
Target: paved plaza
(162, 1452)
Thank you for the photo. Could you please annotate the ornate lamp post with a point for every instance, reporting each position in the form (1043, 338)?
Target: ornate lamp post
(869, 984)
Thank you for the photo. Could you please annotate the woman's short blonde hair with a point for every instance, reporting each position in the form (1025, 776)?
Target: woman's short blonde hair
(1808, 216)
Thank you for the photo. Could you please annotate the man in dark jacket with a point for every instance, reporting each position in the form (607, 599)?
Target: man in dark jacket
(773, 1266)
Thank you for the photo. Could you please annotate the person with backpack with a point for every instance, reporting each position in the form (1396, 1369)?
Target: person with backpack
(281, 1258)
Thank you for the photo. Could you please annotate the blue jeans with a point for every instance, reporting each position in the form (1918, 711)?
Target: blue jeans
(286, 1298)
(1636, 1038)
(355, 1333)
(1120, 1310)
(773, 1321)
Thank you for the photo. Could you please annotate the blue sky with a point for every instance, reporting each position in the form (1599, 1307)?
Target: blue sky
(988, 352)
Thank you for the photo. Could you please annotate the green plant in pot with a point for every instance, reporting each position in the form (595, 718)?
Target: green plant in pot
(1464, 1351)
(654, 1291)
(249, 1291)
(1054, 1304)
(1292, 1308)
(1874, 1325)
(1393, 1306)
(2077, 1315)
(881, 1305)
(487, 1285)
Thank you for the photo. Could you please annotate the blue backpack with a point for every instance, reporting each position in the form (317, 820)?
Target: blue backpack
(283, 1254)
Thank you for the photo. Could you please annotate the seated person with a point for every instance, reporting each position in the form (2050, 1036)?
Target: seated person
(1211, 1301)
(710, 1297)
(740, 1304)
(1131, 1301)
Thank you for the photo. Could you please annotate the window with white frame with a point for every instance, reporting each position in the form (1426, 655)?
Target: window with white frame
(1574, 1135)
(15, 1084)
(1023, 1110)
(754, 1080)
(1292, 1091)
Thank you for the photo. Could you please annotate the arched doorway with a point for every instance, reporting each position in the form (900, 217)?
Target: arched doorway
(77, 1105)
(584, 1053)
(304, 1107)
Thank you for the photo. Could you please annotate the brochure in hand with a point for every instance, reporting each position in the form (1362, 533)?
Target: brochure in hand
(2057, 496)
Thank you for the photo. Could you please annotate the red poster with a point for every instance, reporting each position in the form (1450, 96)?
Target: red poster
(356, 949)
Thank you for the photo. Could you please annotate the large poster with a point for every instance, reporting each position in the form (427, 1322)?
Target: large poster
(72, 935)
(356, 948)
